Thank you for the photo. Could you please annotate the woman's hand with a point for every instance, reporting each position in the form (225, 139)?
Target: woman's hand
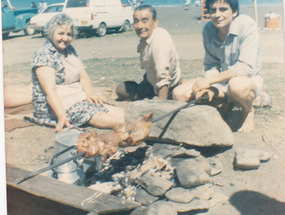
(62, 121)
(96, 98)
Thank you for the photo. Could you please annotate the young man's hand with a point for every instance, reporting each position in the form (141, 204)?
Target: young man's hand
(208, 92)
(200, 84)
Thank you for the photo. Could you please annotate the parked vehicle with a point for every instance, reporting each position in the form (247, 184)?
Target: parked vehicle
(14, 20)
(100, 16)
(39, 21)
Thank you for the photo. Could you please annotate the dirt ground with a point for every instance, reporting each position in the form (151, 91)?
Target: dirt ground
(259, 191)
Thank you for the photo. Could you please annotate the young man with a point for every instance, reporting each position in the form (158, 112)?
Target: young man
(158, 57)
(232, 62)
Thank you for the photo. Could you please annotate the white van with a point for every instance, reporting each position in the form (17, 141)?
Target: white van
(100, 15)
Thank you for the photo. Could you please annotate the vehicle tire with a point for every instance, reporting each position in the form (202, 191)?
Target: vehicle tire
(29, 30)
(102, 30)
(43, 34)
(5, 35)
(126, 26)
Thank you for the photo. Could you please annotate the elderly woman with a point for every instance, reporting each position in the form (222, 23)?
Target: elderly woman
(62, 91)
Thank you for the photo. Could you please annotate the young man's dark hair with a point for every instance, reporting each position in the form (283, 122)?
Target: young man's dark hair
(149, 7)
(233, 4)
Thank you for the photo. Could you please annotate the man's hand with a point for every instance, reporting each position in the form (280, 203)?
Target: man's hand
(208, 92)
(200, 84)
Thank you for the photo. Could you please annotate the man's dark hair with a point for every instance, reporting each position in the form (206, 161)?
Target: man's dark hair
(233, 4)
(149, 7)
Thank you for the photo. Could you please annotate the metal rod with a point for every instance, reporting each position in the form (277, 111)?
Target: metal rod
(30, 175)
(188, 104)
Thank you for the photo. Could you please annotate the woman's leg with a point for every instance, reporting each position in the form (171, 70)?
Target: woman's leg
(15, 96)
(113, 117)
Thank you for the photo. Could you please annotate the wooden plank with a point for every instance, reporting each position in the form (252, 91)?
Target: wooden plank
(50, 193)
(20, 202)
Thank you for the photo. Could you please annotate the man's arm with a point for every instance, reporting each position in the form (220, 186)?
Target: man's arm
(163, 92)
(164, 56)
(205, 83)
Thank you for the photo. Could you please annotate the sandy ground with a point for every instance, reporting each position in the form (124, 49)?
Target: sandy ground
(184, 26)
(251, 192)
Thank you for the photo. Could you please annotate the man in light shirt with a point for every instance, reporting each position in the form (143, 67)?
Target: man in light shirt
(158, 57)
(232, 63)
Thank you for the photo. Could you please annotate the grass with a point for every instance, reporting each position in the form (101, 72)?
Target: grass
(108, 72)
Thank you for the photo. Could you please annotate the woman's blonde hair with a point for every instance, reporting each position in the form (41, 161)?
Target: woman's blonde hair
(58, 20)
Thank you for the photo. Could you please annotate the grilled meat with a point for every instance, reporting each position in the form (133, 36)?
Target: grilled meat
(107, 144)
(138, 130)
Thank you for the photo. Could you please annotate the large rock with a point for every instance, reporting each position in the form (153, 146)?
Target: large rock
(198, 125)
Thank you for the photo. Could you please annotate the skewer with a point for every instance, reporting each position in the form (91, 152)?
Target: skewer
(188, 104)
(30, 175)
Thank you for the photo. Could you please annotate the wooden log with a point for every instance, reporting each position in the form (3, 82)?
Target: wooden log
(48, 196)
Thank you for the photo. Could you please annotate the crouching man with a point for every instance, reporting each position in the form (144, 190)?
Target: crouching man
(232, 63)
(158, 57)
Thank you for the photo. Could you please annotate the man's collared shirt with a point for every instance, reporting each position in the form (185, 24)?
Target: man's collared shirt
(159, 59)
(239, 52)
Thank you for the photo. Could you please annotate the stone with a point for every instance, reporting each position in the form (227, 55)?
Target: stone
(184, 153)
(196, 204)
(139, 211)
(248, 159)
(198, 125)
(164, 150)
(152, 164)
(179, 194)
(193, 172)
(204, 163)
(203, 192)
(161, 208)
(155, 185)
(216, 166)
(218, 198)
(144, 197)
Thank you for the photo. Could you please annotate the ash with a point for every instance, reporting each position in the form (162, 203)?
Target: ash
(119, 175)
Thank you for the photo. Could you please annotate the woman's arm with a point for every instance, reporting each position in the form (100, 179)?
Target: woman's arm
(87, 87)
(46, 76)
